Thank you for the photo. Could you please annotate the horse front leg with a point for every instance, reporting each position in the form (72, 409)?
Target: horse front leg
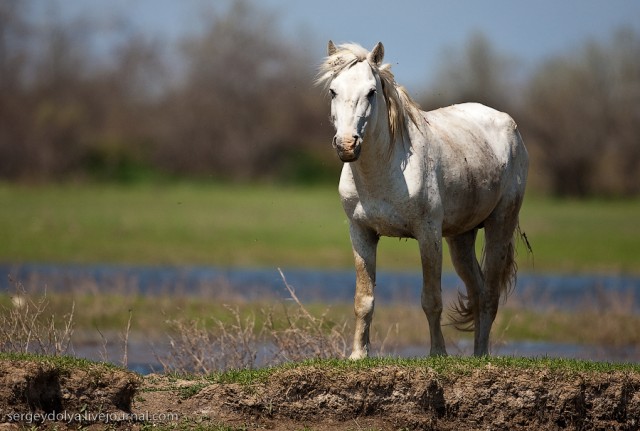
(431, 256)
(364, 243)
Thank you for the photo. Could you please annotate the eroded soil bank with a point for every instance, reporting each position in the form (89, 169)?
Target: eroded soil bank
(321, 397)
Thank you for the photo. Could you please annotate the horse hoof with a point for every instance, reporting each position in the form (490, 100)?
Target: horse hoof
(355, 356)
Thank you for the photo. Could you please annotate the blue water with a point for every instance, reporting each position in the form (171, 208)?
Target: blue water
(538, 290)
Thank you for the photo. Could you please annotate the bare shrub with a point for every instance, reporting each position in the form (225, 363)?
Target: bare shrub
(27, 327)
(293, 335)
(125, 342)
(304, 335)
(200, 349)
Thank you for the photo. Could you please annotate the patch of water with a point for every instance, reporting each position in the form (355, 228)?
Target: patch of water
(538, 290)
(537, 349)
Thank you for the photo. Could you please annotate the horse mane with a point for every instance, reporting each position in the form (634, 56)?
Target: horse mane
(400, 106)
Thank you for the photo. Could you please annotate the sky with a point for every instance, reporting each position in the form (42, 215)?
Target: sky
(416, 33)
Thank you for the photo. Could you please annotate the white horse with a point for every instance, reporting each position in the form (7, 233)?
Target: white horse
(425, 175)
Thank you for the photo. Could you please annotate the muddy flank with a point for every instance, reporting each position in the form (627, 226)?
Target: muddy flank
(319, 397)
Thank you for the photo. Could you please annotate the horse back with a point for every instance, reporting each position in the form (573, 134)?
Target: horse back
(473, 128)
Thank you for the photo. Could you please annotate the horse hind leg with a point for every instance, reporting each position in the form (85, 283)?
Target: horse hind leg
(499, 270)
(431, 299)
(464, 314)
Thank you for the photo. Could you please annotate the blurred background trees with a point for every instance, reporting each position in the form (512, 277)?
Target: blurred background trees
(245, 105)
(477, 73)
(241, 104)
(579, 114)
(582, 117)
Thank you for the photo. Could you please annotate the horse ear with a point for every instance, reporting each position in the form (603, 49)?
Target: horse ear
(377, 54)
(331, 48)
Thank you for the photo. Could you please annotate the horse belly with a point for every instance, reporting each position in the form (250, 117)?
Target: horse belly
(470, 196)
(466, 215)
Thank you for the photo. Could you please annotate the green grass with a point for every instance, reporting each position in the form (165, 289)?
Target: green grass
(62, 362)
(175, 224)
(443, 365)
(591, 236)
(268, 226)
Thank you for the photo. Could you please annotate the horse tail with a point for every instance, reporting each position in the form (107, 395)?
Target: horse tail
(461, 315)
(508, 272)
(508, 275)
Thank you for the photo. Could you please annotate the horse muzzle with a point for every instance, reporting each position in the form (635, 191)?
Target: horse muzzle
(348, 148)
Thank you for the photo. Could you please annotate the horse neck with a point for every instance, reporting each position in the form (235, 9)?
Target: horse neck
(381, 158)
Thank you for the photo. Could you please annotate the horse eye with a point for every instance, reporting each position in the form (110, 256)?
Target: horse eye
(371, 93)
(333, 93)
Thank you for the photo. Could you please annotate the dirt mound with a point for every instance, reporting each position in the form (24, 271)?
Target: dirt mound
(329, 398)
(38, 392)
(394, 397)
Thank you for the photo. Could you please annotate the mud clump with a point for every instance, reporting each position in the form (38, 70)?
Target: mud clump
(37, 392)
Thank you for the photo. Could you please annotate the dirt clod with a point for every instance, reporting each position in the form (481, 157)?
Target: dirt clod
(35, 392)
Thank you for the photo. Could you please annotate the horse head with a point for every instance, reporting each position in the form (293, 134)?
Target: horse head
(356, 95)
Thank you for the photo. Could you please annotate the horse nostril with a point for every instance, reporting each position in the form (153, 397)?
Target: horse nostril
(356, 138)
(334, 141)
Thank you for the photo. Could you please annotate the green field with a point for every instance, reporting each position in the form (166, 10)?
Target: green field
(268, 226)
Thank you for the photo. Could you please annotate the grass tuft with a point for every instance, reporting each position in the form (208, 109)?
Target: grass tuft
(63, 362)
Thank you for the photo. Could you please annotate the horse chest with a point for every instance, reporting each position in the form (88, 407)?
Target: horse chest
(385, 217)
